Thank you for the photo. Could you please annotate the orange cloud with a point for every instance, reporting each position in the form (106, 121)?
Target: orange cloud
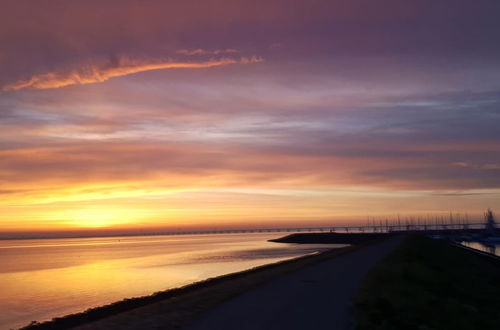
(123, 67)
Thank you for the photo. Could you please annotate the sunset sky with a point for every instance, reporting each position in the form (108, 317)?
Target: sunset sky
(144, 114)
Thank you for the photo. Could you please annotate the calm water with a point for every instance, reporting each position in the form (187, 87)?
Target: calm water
(490, 248)
(44, 278)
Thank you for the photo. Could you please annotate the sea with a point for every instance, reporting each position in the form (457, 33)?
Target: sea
(492, 248)
(45, 278)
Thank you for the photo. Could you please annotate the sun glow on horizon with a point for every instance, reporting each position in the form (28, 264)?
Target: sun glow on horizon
(234, 208)
(90, 219)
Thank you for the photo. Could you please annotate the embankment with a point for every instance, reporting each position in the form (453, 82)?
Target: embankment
(431, 284)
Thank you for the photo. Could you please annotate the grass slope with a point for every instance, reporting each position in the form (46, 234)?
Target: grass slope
(427, 284)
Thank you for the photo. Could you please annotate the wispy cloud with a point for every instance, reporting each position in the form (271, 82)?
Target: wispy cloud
(116, 68)
(199, 51)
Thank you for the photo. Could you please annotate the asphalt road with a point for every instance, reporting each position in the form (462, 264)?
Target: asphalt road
(316, 297)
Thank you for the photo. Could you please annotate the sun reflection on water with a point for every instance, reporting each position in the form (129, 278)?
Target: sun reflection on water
(41, 279)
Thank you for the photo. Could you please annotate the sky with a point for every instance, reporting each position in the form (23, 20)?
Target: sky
(144, 115)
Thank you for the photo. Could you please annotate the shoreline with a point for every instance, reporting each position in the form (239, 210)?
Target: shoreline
(190, 300)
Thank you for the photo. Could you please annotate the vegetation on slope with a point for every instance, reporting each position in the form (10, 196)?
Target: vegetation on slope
(429, 284)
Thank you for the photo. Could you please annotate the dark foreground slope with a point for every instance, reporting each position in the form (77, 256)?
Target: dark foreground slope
(428, 284)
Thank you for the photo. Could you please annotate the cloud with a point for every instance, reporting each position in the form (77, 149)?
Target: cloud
(448, 142)
(461, 164)
(116, 68)
(200, 51)
(492, 167)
